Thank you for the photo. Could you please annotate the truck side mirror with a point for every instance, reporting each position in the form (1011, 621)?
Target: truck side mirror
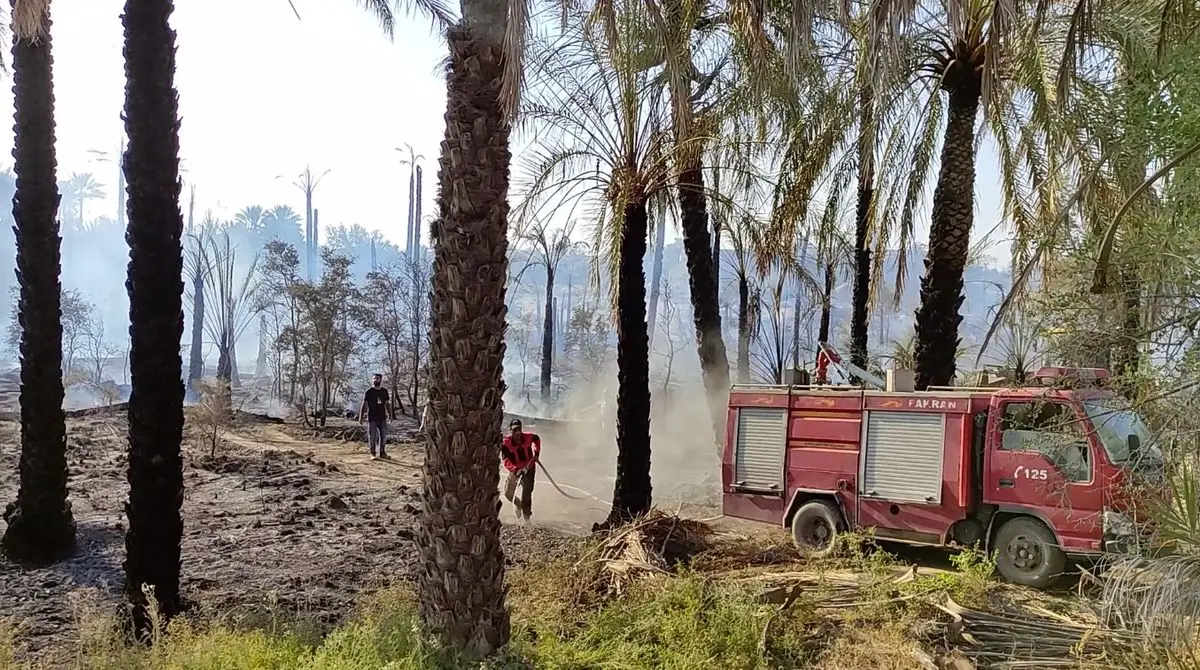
(1135, 444)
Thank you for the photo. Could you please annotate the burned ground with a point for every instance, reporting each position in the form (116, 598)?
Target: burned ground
(304, 524)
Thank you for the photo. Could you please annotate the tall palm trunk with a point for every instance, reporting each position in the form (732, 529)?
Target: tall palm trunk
(949, 235)
(743, 352)
(417, 219)
(152, 552)
(706, 309)
(412, 187)
(41, 528)
(461, 580)
(796, 304)
(632, 491)
(698, 245)
(859, 315)
(548, 336)
(826, 305)
(196, 352)
(309, 248)
(660, 240)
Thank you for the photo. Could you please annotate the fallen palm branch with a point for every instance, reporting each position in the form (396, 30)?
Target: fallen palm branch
(1022, 640)
(653, 544)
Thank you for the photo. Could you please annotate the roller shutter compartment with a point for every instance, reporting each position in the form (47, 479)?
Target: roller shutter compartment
(760, 449)
(903, 460)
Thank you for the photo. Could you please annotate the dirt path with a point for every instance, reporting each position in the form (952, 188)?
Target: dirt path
(304, 525)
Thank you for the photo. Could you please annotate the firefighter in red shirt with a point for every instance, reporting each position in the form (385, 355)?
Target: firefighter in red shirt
(520, 453)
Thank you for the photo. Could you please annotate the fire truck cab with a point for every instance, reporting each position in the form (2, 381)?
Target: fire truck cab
(1032, 474)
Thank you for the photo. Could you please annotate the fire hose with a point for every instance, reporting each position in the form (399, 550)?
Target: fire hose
(553, 483)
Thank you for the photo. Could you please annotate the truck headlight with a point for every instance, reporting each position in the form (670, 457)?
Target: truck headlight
(1118, 524)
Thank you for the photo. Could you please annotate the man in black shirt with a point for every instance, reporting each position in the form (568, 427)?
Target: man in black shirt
(376, 409)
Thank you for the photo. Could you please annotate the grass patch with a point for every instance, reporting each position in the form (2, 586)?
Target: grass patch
(858, 611)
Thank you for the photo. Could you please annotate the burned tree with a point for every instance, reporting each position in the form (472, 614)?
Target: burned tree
(549, 248)
(232, 291)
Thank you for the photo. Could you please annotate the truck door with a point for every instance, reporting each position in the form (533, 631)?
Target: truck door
(1039, 460)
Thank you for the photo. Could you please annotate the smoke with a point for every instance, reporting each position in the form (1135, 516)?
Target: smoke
(580, 451)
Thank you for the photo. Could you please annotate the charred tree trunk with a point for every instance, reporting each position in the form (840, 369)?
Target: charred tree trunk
(417, 219)
(235, 377)
(826, 305)
(862, 271)
(706, 308)
(41, 527)
(660, 241)
(548, 336)
(743, 354)
(196, 351)
(632, 494)
(155, 530)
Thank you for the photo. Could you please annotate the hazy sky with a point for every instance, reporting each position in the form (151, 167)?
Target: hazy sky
(263, 94)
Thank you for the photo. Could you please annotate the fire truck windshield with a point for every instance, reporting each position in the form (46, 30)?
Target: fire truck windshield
(1115, 423)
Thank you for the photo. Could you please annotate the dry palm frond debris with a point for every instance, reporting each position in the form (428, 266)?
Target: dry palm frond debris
(652, 544)
(1025, 640)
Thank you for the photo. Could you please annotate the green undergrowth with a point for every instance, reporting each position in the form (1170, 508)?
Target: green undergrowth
(564, 617)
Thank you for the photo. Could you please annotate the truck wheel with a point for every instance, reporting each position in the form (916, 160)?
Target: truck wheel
(815, 528)
(1027, 553)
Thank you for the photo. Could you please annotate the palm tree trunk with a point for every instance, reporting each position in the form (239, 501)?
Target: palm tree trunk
(660, 240)
(743, 353)
(826, 312)
(412, 187)
(417, 219)
(196, 353)
(632, 491)
(698, 246)
(41, 527)
(548, 335)
(860, 316)
(152, 541)
(949, 239)
(706, 308)
(826, 305)
(796, 329)
(461, 579)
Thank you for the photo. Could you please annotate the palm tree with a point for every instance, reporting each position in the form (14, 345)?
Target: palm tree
(550, 248)
(152, 541)
(964, 48)
(252, 217)
(197, 270)
(41, 528)
(412, 234)
(233, 299)
(308, 182)
(601, 119)
(744, 238)
(83, 187)
(461, 580)
(282, 223)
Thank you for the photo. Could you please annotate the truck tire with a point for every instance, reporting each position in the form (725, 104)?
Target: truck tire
(815, 529)
(1027, 553)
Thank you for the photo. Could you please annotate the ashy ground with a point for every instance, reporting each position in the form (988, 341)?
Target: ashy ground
(280, 516)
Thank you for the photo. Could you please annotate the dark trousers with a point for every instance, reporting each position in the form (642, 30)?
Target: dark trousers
(524, 478)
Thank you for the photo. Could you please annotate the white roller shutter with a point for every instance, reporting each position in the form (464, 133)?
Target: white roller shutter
(903, 460)
(760, 449)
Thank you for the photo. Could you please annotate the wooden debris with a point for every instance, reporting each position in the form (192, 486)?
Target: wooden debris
(654, 544)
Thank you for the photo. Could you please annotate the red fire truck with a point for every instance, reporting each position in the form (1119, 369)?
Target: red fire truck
(1032, 474)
